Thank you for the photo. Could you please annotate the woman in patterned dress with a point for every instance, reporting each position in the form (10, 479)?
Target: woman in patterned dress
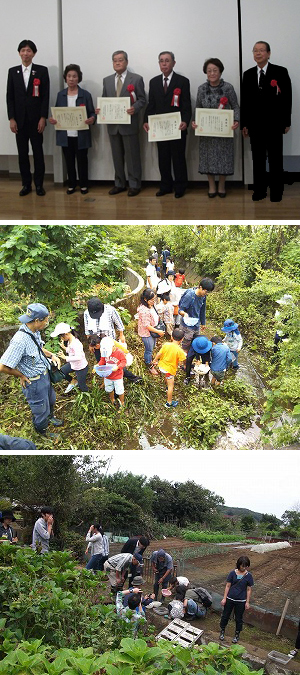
(216, 155)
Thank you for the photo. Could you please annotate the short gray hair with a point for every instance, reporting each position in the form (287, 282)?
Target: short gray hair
(167, 52)
(120, 51)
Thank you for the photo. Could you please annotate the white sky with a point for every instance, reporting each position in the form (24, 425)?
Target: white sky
(266, 481)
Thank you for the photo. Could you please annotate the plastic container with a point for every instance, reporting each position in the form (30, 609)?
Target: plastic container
(202, 369)
(190, 321)
(103, 371)
(165, 592)
(283, 659)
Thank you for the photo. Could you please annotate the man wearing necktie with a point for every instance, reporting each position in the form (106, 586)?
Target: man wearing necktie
(27, 108)
(163, 100)
(124, 138)
(266, 104)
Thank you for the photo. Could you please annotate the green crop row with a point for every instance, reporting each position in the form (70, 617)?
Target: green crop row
(211, 537)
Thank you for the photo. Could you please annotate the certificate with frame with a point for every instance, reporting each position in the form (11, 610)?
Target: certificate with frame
(164, 127)
(70, 119)
(214, 122)
(113, 110)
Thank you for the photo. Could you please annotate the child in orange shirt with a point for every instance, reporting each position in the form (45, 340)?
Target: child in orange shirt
(168, 359)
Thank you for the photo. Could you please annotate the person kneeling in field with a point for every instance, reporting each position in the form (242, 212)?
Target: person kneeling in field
(111, 355)
(134, 602)
(168, 359)
(196, 602)
(221, 359)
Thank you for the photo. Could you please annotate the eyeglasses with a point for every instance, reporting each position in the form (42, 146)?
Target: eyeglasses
(259, 51)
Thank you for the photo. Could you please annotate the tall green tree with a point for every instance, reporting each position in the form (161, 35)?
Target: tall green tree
(52, 262)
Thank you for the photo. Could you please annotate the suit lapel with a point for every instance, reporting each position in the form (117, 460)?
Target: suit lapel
(173, 84)
(19, 75)
(126, 82)
(33, 74)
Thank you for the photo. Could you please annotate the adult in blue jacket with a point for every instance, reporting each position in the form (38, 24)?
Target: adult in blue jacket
(75, 144)
(192, 309)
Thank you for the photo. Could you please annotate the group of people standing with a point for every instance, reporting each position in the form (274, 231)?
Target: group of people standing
(265, 117)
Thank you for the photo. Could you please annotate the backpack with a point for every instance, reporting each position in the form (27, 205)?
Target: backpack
(204, 597)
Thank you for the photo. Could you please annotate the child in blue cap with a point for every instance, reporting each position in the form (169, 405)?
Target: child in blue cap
(200, 346)
(233, 340)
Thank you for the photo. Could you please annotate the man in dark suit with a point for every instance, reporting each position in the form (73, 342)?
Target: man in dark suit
(266, 104)
(162, 99)
(124, 138)
(27, 108)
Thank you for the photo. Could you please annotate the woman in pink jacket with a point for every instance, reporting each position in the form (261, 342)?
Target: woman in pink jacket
(74, 355)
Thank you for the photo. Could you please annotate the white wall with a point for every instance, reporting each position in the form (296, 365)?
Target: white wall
(143, 29)
(277, 22)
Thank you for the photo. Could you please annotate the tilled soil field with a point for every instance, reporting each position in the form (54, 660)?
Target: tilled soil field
(276, 574)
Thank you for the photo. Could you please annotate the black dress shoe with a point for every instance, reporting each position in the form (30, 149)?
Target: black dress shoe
(161, 193)
(275, 197)
(25, 190)
(115, 190)
(40, 191)
(178, 195)
(222, 195)
(212, 194)
(258, 196)
(132, 192)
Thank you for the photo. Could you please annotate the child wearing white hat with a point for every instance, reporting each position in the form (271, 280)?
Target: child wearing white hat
(112, 356)
(74, 356)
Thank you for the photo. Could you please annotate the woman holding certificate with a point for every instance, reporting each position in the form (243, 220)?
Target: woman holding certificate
(216, 153)
(75, 142)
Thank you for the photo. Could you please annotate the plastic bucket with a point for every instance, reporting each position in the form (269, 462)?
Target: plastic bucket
(103, 371)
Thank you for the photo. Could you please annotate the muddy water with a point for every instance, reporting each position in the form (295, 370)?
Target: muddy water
(235, 438)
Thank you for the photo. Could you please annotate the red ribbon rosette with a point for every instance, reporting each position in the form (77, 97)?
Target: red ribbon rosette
(130, 88)
(223, 102)
(36, 87)
(275, 84)
(176, 98)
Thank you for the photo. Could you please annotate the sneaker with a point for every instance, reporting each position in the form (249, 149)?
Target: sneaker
(55, 421)
(222, 635)
(293, 653)
(138, 380)
(187, 380)
(70, 387)
(171, 405)
(236, 638)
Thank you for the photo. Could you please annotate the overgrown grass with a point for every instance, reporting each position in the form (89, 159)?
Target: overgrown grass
(92, 423)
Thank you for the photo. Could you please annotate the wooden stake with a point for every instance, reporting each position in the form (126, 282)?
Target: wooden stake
(287, 602)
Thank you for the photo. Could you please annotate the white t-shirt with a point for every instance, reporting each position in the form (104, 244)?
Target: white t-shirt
(72, 104)
(183, 581)
(151, 272)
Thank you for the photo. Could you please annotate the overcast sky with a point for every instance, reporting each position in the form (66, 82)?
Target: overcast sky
(266, 481)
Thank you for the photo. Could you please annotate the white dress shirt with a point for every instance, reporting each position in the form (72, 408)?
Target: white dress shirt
(26, 70)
